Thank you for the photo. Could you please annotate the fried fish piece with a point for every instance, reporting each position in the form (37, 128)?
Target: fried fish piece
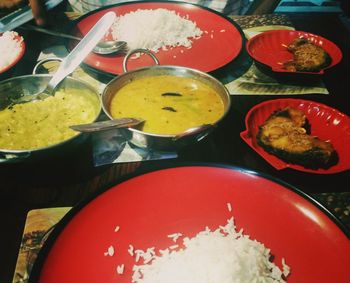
(308, 57)
(285, 134)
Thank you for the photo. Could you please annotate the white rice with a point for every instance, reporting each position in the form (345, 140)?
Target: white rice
(155, 29)
(110, 251)
(131, 250)
(120, 269)
(10, 48)
(175, 236)
(223, 255)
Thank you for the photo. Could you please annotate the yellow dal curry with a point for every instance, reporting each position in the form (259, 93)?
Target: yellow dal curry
(46, 122)
(168, 104)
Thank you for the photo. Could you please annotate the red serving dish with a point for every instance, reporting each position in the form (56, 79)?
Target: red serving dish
(327, 123)
(221, 42)
(269, 49)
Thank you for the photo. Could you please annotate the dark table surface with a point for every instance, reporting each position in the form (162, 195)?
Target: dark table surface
(71, 177)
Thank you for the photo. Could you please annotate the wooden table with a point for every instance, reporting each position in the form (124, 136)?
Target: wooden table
(67, 179)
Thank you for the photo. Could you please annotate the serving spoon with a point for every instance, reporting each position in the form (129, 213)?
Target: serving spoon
(73, 59)
(103, 47)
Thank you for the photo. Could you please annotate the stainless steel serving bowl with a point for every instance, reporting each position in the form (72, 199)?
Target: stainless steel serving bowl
(29, 84)
(159, 141)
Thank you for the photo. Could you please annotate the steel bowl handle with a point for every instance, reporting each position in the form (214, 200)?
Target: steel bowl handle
(138, 50)
(42, 62)
(195, 131)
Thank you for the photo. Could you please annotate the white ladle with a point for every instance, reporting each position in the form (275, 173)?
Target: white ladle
(73, 59)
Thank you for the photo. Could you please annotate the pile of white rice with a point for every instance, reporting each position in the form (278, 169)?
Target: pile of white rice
(223, 255)
(155, 29)
(10, 48)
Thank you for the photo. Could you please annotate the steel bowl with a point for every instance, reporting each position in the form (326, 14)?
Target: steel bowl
(25, 85)
(161, 141)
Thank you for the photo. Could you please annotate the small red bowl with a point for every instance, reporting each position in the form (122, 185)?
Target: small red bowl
(19, 56)
(269, 49)
(327, 123)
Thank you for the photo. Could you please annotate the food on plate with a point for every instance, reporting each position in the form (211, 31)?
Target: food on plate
(10, 48)
(286, 134)
(223, 255)
(168, 104)
(308, 57)
(46, 122)
(157, 29)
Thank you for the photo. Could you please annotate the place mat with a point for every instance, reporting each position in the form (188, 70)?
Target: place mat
(40, 222)
(256, 82)
(253, 81)
(111, 147)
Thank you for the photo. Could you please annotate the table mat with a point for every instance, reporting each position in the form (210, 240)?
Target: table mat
(111, 147)
(38, 225)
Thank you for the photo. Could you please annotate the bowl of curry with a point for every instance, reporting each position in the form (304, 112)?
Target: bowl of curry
(179, 105)
(32, 130)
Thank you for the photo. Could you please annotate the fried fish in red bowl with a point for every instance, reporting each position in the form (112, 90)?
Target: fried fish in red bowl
(299, 134)
(293, 54)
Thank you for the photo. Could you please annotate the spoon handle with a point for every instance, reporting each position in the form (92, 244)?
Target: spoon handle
(107, 125)
(80, 51)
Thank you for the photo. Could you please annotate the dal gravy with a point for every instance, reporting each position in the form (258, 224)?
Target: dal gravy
(46, 122)
(168, 104)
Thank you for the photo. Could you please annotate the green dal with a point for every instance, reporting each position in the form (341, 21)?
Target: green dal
(46, 122)
(168, 104)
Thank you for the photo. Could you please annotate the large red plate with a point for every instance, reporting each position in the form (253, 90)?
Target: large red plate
(327, 123)
(207, 53)
(269, 48)
(186, 199)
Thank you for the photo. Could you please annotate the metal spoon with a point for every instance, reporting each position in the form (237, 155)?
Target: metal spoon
(109, 47)
(102, 47)
(74, 58)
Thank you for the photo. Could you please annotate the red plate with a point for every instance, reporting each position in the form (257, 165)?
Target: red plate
(186, 199)
(326, 123)
(207, 54)
(269, 48)
(18, 57)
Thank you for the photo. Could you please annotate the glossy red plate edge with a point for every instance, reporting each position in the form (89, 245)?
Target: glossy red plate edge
(147, 61)
(323, 213)
(332, 49)
(20, 55)
(343, 164)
